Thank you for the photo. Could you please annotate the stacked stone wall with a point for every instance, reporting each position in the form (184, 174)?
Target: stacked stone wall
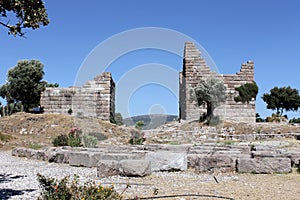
(96, 98)
(196, 68)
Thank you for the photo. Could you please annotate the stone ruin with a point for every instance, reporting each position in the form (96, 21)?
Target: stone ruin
(96, 98)
(196, 68)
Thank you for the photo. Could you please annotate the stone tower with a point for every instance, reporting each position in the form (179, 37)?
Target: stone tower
(196, 68)
(96, 98)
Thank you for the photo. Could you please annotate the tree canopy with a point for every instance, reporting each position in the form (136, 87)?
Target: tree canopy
(247, 92)
(28, 14)
(280, 99)
(24, 84)
(210, 91)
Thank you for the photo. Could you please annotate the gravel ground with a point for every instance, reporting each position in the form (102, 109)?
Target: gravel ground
(18, 181)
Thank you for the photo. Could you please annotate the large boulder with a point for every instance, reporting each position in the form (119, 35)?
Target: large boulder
(265, 165)
(166, 161)
(135, 167)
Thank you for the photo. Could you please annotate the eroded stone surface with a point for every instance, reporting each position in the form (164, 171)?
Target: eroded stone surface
(265, 165)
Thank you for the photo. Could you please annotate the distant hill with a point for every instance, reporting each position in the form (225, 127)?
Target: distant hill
(151, 121)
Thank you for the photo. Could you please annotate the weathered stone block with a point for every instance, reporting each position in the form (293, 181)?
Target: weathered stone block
(59, 157)
(135, 167)
(107, 168)
(215, 164)
(265, 165)
(79, 159)
(165, 161)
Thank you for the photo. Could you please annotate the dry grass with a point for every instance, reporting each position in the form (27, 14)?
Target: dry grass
(27, 130)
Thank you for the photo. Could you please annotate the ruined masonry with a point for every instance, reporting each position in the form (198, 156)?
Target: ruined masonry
(196, 68)
(96, 98)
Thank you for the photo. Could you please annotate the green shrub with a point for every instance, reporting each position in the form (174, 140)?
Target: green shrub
(53, 189)
(99, 136)
(276, 118)
(137, 138)
(61, 140)
(73, 139)
(139, 125)
(35, 146)
(70, 111)
(258, 118)
(89, 141)
(294, 120)
(247, 92)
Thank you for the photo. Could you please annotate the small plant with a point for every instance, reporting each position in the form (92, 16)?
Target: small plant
(73, 139)
(258, 118)
(137, 138)
(53, 189)
(35, 146)
(61, 140)
(4, 137)
(295, 121)
(89, 141)
(276, 118)
(228, 142)
(252, 147)
(139, 125)
(99, 136)
(70, 111)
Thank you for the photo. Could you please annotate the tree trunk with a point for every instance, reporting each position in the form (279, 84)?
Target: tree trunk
(210, 110)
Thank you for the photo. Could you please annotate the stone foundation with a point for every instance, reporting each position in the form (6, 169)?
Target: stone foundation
(144, 159)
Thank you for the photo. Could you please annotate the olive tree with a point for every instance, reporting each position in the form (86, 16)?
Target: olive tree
(210, 92)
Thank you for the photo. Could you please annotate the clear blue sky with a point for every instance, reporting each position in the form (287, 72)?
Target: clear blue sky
(232, 32)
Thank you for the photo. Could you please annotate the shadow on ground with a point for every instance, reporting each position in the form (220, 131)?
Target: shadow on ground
(8, 193)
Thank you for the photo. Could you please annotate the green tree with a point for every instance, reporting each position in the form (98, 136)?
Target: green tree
(139, 125)
(280, 99)
(52, 85)
(247, 92)
(24, 84)
(211, 92)
(28, 14)
(119, 119)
